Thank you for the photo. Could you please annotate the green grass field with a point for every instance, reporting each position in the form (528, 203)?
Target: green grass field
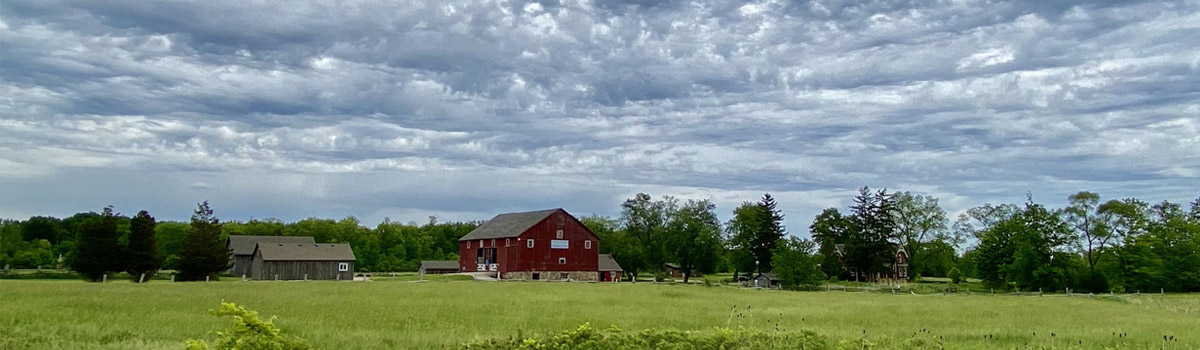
(443, 313)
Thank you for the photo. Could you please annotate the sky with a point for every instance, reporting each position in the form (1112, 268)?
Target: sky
(466, 109)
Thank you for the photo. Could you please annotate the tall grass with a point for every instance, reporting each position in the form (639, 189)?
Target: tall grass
(443, 313)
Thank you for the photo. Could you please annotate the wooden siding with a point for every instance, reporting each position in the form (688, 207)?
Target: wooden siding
(241, 265)
(262, 270)
(512, 254)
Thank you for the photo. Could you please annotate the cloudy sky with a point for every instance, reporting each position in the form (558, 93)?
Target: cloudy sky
(463, 109)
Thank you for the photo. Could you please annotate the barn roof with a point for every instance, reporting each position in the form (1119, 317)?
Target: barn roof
(439, 264)
(508, 225)
(608, 264)
(305, 252)
(244, 245)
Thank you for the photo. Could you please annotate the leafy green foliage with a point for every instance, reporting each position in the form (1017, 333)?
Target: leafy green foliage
(694, 237)
(248, 332)
(871, 227)
(645, 221)
(98, 251)
(756, 228)
(142, 248)
(795, 264)
(955, 275)
(204, 253)
(585, 337)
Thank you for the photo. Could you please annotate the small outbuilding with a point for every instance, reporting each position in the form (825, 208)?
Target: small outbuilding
(241, 249)
(438, 267)
(765, 280)
(610, 271)
(304, 261)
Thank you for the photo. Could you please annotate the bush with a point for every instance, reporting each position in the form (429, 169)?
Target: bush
(955, 275)
(585, 337)
(248, 332)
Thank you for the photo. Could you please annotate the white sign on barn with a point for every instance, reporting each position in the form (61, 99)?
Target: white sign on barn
(558, 244)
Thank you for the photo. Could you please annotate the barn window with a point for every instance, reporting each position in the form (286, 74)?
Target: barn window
(563, 276)
(558, 234)
(587, 244)
(493, 242)
(507, 242)
(343, 267)
(468, 244)
(562, 261)
(529, 243)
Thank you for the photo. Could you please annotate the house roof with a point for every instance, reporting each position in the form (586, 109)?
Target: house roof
(608, 264)
(244, 245)
(508, 225)
(769, 275)
(305, 252)
(439, 264)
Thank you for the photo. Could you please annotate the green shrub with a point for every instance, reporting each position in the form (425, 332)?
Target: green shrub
(248, 332)
(585, 337)
(955, 275)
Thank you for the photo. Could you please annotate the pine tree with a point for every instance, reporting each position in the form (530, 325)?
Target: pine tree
(142, 250)
(770, 231)
(203, 254)
(98, 251)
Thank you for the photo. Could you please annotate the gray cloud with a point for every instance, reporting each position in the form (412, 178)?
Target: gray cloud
(466, 108)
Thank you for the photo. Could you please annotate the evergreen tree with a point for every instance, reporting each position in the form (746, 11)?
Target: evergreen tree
(203, 254)
(142, 250)
(770, 231)
(98, 251)
(868, 248)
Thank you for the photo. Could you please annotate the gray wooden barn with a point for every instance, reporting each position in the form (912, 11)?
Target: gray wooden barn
(241, 249)
(300, 261)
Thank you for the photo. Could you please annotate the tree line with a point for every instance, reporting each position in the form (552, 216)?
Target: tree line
(1088, 244)
(94, 244)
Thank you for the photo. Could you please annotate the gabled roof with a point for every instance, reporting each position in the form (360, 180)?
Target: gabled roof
(608, 264)
(508, 225)
(439, 264)
(305, 252)
(244, 245)
(769, 275)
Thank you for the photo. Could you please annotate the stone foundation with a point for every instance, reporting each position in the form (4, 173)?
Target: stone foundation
(586, 276)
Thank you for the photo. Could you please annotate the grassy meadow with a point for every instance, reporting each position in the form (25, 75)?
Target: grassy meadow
(64, 314)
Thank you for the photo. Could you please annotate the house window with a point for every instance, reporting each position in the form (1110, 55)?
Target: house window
(562, 261)
(558, 234)
(529, 243)
(587, 244)
(343, 267)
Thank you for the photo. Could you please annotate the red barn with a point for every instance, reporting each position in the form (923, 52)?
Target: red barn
(537, 245)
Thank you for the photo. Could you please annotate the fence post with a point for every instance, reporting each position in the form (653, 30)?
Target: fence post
(172, 278)
(306, 277)
(206, 278)
(104, 278)
(243, 277)
(143, 278)
(276, 277)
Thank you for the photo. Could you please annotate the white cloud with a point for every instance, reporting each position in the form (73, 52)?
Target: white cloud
(467, 108)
